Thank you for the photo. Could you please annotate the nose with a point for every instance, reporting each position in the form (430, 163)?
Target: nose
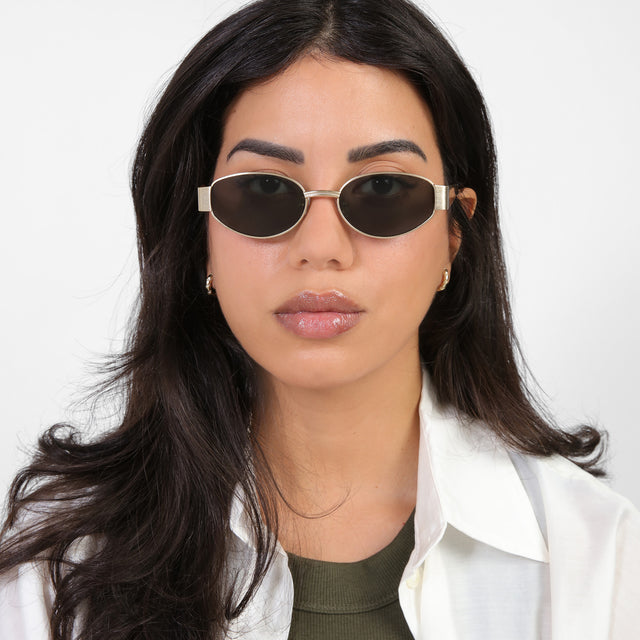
(322, 240)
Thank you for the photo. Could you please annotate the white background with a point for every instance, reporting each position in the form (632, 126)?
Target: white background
(562, 82)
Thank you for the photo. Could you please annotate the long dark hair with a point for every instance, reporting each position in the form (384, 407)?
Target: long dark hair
(154, 495)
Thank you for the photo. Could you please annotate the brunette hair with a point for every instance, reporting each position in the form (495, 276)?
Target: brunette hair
(155, 493)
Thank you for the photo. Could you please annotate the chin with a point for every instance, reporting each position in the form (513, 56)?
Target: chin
(319, 375)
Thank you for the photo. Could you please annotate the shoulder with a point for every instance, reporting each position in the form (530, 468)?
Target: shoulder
(27, 594)
(592, 535)
(588, 522)
(543, 508)
(477, 473)
(568, 495)
(572, 494)
(26, 597)
(594, 544)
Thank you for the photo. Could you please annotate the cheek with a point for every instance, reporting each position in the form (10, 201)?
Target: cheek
(241, 268)
(403, 275)
(234, 259)
(419, 258)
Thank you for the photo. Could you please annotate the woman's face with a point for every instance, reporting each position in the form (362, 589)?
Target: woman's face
(324, 305)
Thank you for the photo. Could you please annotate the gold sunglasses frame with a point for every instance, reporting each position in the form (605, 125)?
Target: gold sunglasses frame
(441, 201)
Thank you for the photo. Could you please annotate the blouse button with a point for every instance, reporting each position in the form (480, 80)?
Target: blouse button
(414, 579)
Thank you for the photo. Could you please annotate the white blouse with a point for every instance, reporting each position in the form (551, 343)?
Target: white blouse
(507, 546)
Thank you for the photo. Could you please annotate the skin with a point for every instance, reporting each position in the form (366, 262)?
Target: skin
(340, 425)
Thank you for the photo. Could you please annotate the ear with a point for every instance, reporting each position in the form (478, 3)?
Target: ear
(209, 255)
(468, 199)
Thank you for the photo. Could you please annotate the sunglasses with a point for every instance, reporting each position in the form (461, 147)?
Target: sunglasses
(267, 205)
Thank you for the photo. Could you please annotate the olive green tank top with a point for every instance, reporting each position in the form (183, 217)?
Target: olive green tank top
(351, 600)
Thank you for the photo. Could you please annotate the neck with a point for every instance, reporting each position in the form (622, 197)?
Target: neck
(356, 443)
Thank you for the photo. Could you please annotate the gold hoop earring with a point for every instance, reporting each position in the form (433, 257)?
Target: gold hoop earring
(445, 280)
(209, 285)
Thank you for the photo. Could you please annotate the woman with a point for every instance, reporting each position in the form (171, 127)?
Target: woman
(326, 432)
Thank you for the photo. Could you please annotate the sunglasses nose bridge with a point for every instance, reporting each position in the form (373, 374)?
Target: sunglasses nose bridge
(321, 193)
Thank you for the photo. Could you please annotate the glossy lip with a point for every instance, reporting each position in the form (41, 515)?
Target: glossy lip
(319, 315)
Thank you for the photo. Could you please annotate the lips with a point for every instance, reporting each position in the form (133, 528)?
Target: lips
(313, 315)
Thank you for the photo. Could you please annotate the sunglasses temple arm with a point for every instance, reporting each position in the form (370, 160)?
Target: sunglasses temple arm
(204, 199)
(441, 197)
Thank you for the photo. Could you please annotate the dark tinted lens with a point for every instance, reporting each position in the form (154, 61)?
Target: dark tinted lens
(387, 204)
(258, 205)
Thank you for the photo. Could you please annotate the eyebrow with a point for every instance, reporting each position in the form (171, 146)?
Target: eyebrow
(271, 149)
(388, 146)
(289, 154)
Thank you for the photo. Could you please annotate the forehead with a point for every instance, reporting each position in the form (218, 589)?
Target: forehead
(321, 102)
